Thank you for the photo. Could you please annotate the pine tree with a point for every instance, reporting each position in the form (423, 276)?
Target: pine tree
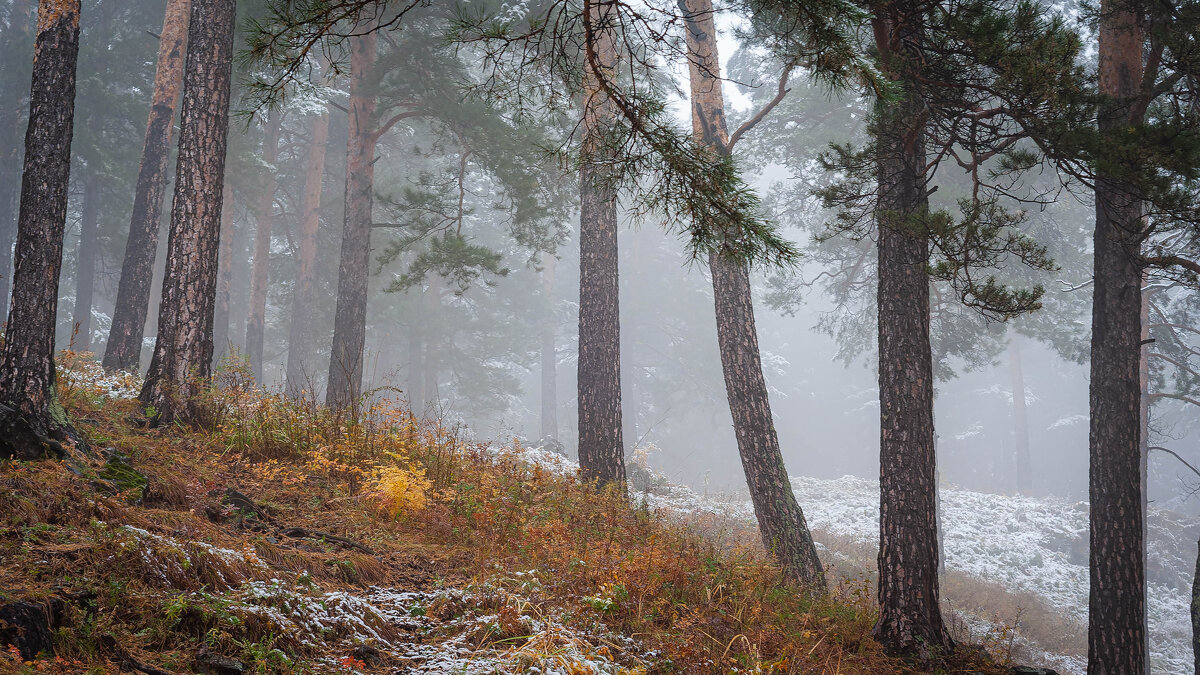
(124, 348)
(184, 348)
(264, 214)
(601, 446)
(781, 521)
(13, 76)
(350, 322)
(32, 422)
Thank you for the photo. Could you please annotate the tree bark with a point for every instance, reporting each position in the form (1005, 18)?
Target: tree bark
(601, 446)
(85, 261)
(1196, 611)
(910, 618)
(221, 346)
(781, 522)
(32, 423)
(549, 353)
(1116, 625)
(264, 215)
(304, 291)
(124, 348)
(1020, 420)
(350, 319)
(183, 351)
(15, 40)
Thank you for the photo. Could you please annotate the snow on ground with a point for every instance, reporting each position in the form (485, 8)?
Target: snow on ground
(1033, 545)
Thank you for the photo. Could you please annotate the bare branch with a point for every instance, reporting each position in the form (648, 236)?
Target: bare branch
(766, 109)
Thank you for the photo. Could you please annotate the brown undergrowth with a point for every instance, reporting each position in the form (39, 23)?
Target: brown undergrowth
(263, 534)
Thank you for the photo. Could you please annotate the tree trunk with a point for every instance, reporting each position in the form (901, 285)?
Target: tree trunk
(549, 353)
(781, 522)
(910, 618)
(416, 370)
(85, 261)
(221, 344)
(304, 293)
(1116, 626)
(350, 319)
(183, 351)
(1020, 420)
(264, 214)
(15, 41)
(431, 398)
(601, 447)
(124, 348)
(32, 423)
(1196, 611)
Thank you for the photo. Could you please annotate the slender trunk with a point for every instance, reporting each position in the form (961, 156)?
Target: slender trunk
(910, 618)
(1196, 611)
(15, 41)
(32, 423)
(224, 280)
(431, 399)
(416, 371)
(255, 323)
(549, 353)
(601, 446)
(124, 348)
(85, 261)
(350, 319)
(304, 291)
(1116, 626)
(183, 351)
(1144, 450)
(781, 522)
(1020, 420)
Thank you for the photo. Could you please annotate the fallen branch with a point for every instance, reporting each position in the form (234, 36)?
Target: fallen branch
(304, 533)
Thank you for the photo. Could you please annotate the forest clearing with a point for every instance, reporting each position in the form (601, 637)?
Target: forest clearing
(600, 336)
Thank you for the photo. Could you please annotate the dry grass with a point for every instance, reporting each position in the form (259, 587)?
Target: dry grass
(181, 570)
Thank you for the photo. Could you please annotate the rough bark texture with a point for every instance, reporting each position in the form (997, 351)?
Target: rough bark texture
(13, 41)
(549, 353)
(124, 348)
(910, 619)
(781, 522)
(32, 423)
(183, 351)
(221, 345)
(1196, 611)
(264, 215)
(1116, 626)
(601, 447)
(85, 262)
(299, 371)
(350, 319)
(1020, 420)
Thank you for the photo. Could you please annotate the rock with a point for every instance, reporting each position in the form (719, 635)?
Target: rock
(217, 664)
(1026, 670)
(368, 655)
(118, 476)
(552, 444)
(26, 625)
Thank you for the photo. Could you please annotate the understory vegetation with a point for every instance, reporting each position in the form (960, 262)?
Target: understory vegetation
(293, 539)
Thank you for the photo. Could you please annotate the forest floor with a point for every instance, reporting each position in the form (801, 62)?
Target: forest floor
(277, 537)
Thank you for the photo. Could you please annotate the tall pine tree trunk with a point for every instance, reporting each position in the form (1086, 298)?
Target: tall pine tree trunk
(1020, 419)
(304, 290)
(85, 260)
(350, 319)
(601, 447)
(13, 41)
(549, 353)
(264, 215)
(1116, 625)
(781, 522)
(910, 618)
(183, 351)
(32, 423)
(124, 348)
(224, 279)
